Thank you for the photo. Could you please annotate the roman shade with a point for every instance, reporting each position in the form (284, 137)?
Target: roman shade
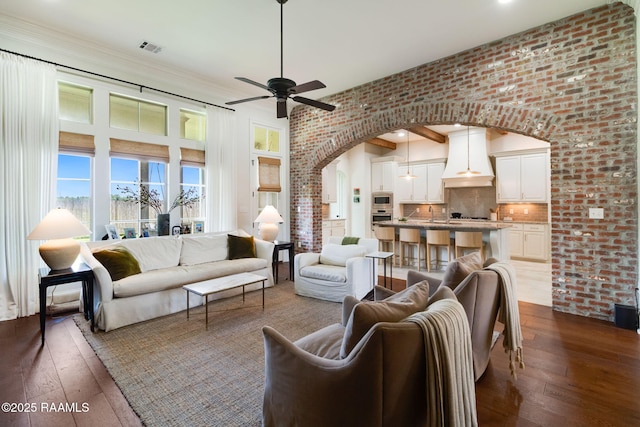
(138, 150)
(76, 143)
(269, 174)
(191, 157)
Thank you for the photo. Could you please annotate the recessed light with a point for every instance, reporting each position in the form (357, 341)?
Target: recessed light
(504, 1)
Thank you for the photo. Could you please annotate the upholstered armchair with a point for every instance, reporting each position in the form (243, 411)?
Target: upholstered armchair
(478, 290)
(372, 369)
(337, 271)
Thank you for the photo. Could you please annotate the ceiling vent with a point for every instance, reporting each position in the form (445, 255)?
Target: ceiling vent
(150, 47)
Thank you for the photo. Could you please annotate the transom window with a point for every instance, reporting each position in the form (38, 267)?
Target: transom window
(137, 115)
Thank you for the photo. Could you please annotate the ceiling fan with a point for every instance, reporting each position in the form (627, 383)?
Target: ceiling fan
(282, 88)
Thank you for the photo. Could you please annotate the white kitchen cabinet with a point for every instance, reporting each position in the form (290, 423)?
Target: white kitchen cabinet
(534, 244)
(403, 192)
(522, 178)
(435, 186)
(412, 190)
(332, 227)
(383, 176)
(515, 241)
(529, 241)
(426, 187)
(329, 184)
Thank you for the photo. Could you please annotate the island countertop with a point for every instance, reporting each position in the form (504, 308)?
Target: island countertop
(495, 234)
(452, 224)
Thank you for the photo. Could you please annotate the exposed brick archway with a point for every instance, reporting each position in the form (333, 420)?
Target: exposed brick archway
(572, 83)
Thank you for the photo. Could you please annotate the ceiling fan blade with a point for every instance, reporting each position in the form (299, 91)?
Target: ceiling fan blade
(255, 98)
(251, 82)
(306, 87)
(314, 103)
(282, 108)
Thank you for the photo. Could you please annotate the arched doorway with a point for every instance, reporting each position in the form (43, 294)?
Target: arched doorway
(537, 84)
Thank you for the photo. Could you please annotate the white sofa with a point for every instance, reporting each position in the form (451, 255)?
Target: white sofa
(337, 271)
(166, 264)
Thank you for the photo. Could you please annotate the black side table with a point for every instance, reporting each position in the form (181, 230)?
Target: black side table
(282, 246)
(80, 272)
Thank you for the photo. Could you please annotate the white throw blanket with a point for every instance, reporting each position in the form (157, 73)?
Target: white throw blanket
(509, 315)
(451, 396)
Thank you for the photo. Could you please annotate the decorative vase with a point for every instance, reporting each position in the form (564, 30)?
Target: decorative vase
(164, 220)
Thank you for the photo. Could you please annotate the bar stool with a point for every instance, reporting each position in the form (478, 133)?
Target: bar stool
(409, 237)
(387, 238)
(469, 240)
(438, 238)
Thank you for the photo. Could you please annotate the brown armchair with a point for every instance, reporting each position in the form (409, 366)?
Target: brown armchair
(479, 293)
(381, 381)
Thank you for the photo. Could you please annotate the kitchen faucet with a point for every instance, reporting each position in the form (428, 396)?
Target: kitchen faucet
(431, 210)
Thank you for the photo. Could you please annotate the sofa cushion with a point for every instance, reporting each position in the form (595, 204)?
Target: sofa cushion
(393, 309)
(241, 247)
(205, 248)
(333, 254)
(323, 343)
(460, 268)
(175, 277)
(154, 253)
(330, 273)
(417, 294)
(119, 262)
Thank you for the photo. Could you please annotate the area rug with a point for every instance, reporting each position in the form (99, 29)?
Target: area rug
(174, 372)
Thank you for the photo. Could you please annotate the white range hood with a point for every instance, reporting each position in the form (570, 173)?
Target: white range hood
(478, 159)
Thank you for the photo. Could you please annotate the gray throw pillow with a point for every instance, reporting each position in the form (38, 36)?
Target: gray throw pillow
(460, 268)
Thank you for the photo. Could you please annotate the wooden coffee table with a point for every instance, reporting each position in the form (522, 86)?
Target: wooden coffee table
(208, 287)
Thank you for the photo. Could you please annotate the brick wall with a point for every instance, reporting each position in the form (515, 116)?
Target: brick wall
(572, 83)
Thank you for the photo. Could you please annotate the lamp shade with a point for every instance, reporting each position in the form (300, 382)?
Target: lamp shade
(269, 214)
(58, 226)
(268, 219)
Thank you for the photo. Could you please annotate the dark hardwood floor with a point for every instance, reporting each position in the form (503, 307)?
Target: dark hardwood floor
(579, 372)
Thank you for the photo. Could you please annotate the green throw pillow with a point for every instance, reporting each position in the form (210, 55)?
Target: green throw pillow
(349, 240)
(241, 247)
(119, 262)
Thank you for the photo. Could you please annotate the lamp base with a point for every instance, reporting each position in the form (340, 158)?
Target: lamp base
(268, 231)
(60, 254)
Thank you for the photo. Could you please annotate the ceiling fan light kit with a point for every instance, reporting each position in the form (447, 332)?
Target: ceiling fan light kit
(282, 88)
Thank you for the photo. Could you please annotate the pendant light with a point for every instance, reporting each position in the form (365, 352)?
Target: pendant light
(408, 176)
(468, 172)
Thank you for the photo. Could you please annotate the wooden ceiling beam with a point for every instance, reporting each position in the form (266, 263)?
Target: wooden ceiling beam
(428, 133)
(383, 143)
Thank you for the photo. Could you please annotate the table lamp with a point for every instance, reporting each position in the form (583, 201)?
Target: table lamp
(268, 219)
(60, 251)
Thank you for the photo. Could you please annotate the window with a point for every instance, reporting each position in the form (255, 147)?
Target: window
(266, 139)
(128, 178)
(193, 125)
(75, 103)
(192, 183)
(137, 115)
(74, 187)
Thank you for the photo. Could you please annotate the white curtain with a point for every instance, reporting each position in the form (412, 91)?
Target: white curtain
(221, 170)
(28, 162)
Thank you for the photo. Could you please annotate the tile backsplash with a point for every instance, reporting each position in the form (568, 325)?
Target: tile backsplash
(478, 202)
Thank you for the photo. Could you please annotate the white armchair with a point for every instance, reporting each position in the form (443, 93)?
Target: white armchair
(337, 271)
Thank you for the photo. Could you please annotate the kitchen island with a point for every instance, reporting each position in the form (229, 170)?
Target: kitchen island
(495, 234)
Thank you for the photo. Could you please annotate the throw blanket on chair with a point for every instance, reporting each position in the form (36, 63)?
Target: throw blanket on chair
(509, 315)
(451, 396)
